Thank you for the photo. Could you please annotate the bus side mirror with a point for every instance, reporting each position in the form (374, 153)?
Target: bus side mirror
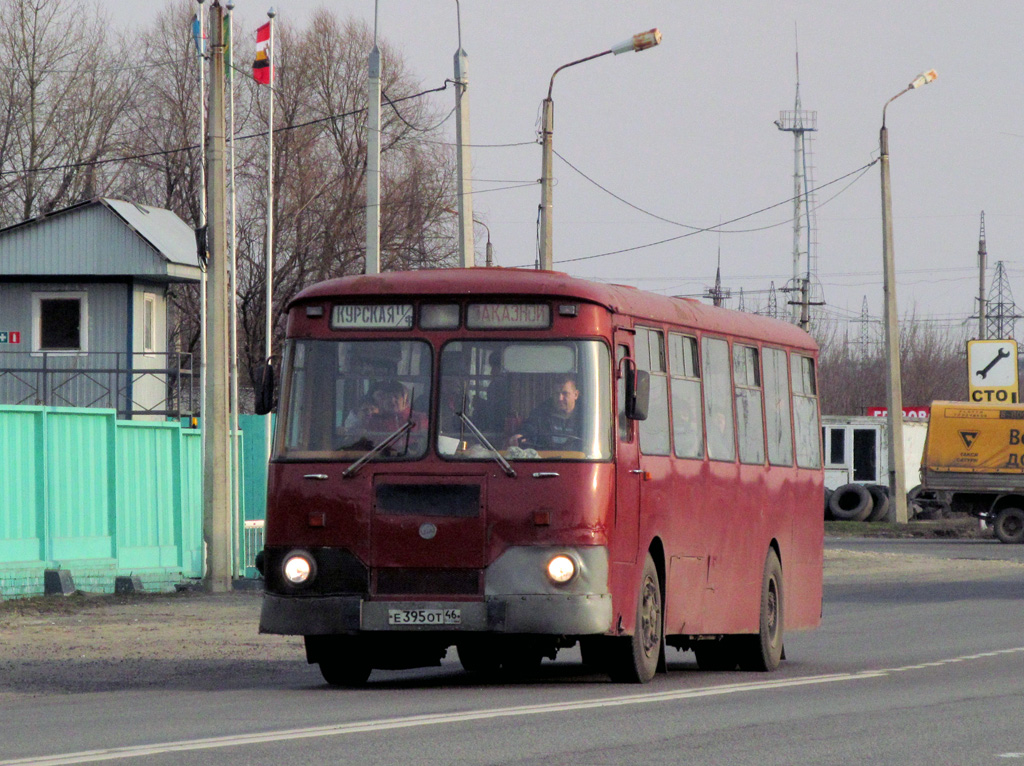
(638, 393)
(265, 390)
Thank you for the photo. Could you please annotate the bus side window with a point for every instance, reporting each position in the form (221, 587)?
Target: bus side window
(718, 399)
(776, 402)
(687, 418)
(805, 412)
(650, 356)
(749, 424)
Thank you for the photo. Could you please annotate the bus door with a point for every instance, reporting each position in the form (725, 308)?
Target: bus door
(428, 523)
(628, 475)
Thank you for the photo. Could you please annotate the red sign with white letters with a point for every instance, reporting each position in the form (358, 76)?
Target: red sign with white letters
(911, 413)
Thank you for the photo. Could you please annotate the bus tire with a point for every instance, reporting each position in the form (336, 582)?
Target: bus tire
(1010, 525)
(850, 502)
(828, 496)
(634, 659)
(763, 651)
(880, 500)
(345, 671)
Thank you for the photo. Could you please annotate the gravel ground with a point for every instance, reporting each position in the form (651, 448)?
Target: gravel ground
(85, 643)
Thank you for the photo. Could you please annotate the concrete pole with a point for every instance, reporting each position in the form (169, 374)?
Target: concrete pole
(201, 15)
(467, 246)
(547, 133)
(217, 482)
(893, 386)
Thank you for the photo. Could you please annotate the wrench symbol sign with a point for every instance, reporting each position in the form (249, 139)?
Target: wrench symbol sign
(1003, 353)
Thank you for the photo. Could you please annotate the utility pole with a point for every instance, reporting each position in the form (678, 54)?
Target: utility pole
(217, 481)
(372, 264)
(467, 245)
(982, 255)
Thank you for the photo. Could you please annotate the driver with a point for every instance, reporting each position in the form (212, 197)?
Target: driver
(555, 424)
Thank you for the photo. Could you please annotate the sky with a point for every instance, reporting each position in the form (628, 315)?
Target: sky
(683, 135)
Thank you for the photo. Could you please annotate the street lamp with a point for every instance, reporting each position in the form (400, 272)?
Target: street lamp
(893, 387)
(638, 42)
(489, 252)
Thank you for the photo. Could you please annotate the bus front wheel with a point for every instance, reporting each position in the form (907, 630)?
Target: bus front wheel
(635, 659)
(763, 650)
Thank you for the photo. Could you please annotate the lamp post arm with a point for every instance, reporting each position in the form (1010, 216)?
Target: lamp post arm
(573, 63)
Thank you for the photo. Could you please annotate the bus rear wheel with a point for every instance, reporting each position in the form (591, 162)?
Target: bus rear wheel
(1010, 525)
(635, 659)
(763, 650)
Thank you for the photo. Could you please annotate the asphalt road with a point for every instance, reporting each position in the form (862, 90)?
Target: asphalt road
(920, 660)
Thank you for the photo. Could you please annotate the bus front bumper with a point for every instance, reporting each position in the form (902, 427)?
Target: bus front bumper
(544, 614)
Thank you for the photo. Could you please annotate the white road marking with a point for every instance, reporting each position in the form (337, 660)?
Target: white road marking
(404, 722)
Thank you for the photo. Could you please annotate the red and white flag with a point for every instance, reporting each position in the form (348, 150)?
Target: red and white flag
(262, 67)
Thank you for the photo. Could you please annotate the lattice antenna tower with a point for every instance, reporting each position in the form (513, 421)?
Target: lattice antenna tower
(804, 288)
(864, 340)
(773, 302)
(1002, 314)
(982, 303)
(718, 295)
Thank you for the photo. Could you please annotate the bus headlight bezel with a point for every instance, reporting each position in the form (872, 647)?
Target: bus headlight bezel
(298, 569)
(562, 568)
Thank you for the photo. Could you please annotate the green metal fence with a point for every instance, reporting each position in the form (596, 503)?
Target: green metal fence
(83, 491)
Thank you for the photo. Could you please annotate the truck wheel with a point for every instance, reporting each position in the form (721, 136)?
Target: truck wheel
(763, 651)
(850, 502)
(634, 659)
(880, 498)
(1010, 525)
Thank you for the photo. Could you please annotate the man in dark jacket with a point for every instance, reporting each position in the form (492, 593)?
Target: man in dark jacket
(555, 424)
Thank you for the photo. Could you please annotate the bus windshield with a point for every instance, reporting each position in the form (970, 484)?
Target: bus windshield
(528, 400)
(345, 398)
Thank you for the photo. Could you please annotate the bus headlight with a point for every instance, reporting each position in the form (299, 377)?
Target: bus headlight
(299, 568)
(561, 569)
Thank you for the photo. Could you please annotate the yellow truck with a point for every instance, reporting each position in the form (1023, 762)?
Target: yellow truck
(974, 461)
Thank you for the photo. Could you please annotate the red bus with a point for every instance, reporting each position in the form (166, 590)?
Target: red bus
(511, 462)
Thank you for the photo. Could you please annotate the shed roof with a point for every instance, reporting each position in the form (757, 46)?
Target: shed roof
(101, 237)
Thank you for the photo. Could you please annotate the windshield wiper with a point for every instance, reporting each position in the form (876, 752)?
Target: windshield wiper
(505, 465)
(377, 449)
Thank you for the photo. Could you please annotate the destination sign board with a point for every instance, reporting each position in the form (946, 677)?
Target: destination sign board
(508, 316)
(397, 316)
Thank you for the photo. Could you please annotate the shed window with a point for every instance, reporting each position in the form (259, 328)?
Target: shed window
(148, 323)
(60, 321)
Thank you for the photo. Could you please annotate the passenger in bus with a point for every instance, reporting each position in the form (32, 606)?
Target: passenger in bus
(555, 424)
(386, 409)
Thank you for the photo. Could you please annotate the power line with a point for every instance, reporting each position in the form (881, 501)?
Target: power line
(709, 228)
(191, 147)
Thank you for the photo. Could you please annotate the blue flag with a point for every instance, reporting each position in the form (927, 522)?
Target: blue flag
(198, 37)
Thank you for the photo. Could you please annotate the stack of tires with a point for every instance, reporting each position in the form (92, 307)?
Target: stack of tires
(857, 502)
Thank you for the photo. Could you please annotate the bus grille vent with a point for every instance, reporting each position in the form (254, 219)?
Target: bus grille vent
(453, 582)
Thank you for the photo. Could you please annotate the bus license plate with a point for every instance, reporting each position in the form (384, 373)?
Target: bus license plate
(424, 617)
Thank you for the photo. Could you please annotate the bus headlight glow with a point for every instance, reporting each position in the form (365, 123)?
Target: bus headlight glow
(561, 568)
(299, 568)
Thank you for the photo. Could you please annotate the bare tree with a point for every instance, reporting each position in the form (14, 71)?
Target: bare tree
(66, 88)
(851, 379)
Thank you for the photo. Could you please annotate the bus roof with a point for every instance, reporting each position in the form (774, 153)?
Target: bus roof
(495, 281)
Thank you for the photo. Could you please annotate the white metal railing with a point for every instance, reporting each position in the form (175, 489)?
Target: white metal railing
(252, 543)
